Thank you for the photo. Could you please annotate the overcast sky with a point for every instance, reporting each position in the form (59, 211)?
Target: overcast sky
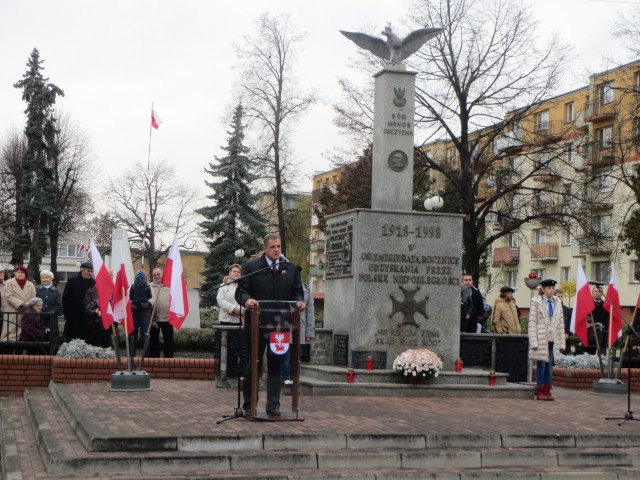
(113, 58)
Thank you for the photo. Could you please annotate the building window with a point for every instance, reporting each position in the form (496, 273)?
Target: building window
(605, 136)
(634, 276)
(602, 224)
(516, 163)
(512, 278)
(70, 250)
(568, 112)
(566, 236)
(601, 271)
(604, 183)
(451, 155)
(539, 235)
(542, 120)
(514, 240)
(565, 274)
(605, 93)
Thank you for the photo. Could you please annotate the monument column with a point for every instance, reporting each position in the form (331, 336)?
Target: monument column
(392, 171)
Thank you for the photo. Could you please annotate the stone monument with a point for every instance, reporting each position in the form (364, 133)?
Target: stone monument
(393, 275)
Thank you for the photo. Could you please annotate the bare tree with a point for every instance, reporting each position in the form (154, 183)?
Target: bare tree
(627, 28)
(11, 152)
(71, 178)
(274, 102)
(169, 208)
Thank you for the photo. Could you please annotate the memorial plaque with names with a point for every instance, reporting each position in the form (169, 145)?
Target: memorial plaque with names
(341, 350)
(339, 248)
(475, 352)
(512, 356)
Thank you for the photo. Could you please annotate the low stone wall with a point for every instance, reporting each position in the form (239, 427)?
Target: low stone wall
(20, 371)
(321, 347)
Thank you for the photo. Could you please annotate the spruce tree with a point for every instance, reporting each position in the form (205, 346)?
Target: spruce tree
(232, 222)
(38, 200)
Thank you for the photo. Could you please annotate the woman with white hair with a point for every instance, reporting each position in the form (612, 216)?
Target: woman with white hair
(51, 299)
(33, 328)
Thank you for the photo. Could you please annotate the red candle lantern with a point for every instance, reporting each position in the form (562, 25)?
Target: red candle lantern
(351, 376)
(370, 362)
(492, 378)
(533, 275)
(459, 364)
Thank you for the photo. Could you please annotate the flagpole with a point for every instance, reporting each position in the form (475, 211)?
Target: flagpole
(126, 330)
(144, 226)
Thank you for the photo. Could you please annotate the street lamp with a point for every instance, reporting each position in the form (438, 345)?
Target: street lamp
(433, 203)
(239, 254)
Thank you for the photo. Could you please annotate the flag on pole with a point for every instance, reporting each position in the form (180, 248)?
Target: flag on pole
(80, 249)
(155, 119)
(121, 303)
(173, 278)
(104, 285)
(613, 298)
(583, 306)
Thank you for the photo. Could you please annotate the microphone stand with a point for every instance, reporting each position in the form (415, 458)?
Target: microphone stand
(632, 335)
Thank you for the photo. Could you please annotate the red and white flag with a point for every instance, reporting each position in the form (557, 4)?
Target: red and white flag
(583, 306)
(80, 249)
(613, 298)
(104, 285)
(121, 303)
(173, 278)
(155, 119)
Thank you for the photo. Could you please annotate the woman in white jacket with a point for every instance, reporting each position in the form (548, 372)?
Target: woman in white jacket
(546, 336)
(230, 311)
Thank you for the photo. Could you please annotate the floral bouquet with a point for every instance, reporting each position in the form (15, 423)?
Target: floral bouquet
(418, 363)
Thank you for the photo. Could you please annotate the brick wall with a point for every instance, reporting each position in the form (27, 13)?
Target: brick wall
(583, 379)
(20, 371)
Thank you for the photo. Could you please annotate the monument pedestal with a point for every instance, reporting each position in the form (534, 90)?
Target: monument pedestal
(393, 284)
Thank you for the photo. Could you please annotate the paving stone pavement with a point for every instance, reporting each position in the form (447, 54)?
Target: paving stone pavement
(192, 408)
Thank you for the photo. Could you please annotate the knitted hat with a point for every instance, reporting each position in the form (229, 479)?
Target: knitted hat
(34, 301)
(22, 268)
(48, 273)
(141, 275)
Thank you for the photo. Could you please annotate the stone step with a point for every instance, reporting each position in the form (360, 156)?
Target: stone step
(312, 386)
(469, 376)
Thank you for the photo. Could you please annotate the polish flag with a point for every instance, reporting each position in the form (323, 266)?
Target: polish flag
(80, 249)
(155, 119)
(613, 298)
(583, 306)
(173, 278)
(121, 303)
(104, 285)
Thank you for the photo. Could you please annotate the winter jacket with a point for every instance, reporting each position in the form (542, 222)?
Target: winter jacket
(51, 304)
(505, 317)
(227, 303)
(33, 329)
(140, 293)
(543, 330)
(16, 301)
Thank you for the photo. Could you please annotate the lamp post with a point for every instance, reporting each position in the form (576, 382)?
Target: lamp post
(433, 203)
(532, 282)
(239, 253)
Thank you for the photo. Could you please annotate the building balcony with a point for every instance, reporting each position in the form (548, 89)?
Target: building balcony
(548, 132)
(317, 246)
(544, 252)
(319, 271)
(505, 256)
(595, 200)
(545, 174)
(600, 157)
(508, 144)
(598, 111)
(588, 245)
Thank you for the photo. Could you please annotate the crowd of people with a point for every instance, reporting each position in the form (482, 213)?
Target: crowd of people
(30, 313)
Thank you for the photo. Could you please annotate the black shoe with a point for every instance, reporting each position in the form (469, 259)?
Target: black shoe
(274, 413)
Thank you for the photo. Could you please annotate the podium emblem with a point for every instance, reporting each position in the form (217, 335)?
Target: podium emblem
(279, 342)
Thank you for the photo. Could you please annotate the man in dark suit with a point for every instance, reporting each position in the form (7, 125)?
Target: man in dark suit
(73, 302)
(269, 277)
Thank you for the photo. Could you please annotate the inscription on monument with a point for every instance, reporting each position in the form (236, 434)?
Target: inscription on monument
(399, 124)
(341, 350)
(407, 338)
(339, 249)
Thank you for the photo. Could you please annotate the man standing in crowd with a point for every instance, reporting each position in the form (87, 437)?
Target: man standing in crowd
(472, 305)
(160, 298)
(73, 302)
(269, 277)
(566, 311)
(505, 317)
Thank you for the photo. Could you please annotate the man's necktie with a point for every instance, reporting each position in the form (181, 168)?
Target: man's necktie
(550, 309)
(274, 268)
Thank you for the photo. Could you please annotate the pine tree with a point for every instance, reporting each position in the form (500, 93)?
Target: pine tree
(38, 200)
(232, 222)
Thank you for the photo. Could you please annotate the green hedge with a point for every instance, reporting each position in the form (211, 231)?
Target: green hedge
(200, 339)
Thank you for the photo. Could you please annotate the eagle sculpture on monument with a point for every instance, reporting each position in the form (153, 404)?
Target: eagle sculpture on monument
(395, 49)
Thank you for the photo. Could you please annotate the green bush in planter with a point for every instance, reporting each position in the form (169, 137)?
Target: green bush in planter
(79, 349)
(199, 339)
